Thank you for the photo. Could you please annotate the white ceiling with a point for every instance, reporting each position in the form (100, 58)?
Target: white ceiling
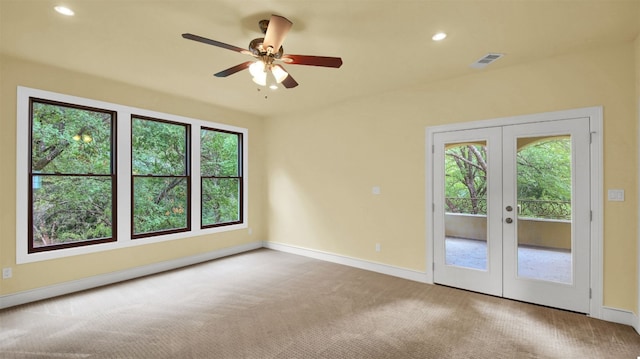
(384, 44)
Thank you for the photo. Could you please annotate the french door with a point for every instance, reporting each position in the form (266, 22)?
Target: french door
(512, 211)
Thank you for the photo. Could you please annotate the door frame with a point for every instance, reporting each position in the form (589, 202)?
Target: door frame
(596, 181)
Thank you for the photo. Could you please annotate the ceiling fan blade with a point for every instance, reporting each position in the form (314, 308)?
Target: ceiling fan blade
(324, 61)
(234, 69)
(214, 43)
(276, 31)
(289, 82)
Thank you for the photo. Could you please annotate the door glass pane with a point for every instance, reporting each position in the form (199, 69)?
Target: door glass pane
(466, 205)
(544, 208)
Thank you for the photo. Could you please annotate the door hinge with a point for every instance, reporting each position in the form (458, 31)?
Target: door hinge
(591, 137)
(590, 216)
(433, 148)
(590, 293)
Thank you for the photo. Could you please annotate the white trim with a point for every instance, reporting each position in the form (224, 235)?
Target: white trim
(619, 316)
(637, 323)
(123, 153)
(33, 295)
(596, 176)
(430, 202)
(349, 261)
(597, 209)
(520, 119)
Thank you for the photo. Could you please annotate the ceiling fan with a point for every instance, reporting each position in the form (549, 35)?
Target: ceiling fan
(267, 50)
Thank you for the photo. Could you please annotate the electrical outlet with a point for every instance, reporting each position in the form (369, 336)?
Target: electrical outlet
(377, 247)
(7, 273)
(250, 231)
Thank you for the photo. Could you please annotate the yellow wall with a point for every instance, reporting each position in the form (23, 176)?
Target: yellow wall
(321, 166)
(14, 72)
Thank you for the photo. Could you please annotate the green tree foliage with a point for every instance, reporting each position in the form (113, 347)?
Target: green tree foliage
(544, 170)
(73, 180)
(466, 177)
(543, 178)
(71, 166)
(221, 182)
(159, 166)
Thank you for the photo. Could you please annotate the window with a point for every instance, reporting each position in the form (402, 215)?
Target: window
(221, 177)
(71, 177)
(70, 170)
(160, 177)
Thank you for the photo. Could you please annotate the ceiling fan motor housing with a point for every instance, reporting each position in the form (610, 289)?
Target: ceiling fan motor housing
(256, 48)
(263, 24)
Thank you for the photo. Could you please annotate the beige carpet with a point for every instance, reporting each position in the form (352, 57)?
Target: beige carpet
(267, 304)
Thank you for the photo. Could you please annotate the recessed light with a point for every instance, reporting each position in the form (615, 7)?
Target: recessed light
(64, 10)
(439, 36)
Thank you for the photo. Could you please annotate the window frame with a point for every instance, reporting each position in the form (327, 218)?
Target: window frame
(240, 178)
(186, 175)
(112, 176)
(123, 177)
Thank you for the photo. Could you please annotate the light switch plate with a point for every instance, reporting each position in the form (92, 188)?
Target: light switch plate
(7, 273)
(375, 190)
(615, 195)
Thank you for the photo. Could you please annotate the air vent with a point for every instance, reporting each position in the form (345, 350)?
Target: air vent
(486, 60)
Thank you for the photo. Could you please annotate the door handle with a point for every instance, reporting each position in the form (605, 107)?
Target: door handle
(508, 220)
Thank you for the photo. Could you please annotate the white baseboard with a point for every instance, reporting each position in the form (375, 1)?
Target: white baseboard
(33, 295)
(351, 262)
(620, 316)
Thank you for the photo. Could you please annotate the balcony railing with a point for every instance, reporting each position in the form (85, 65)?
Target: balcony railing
(526, 208)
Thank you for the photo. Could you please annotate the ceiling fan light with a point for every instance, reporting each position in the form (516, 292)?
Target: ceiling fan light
(257, 69)
(261, 79)
(279, 73)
